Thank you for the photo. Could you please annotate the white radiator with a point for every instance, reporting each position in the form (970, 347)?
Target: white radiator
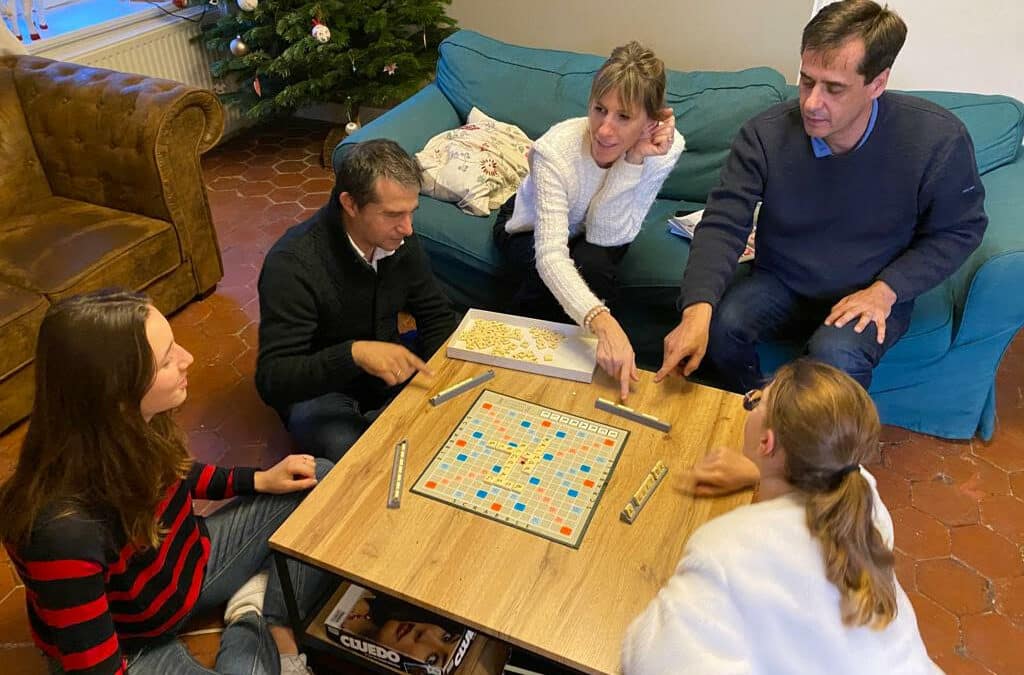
(158, 47)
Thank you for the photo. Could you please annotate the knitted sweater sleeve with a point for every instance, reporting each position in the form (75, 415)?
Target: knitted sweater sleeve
(951, 224)
(551, 240)
(63, 569)
(691, 626)
(617, 211)
(728, 219)
(288, 368)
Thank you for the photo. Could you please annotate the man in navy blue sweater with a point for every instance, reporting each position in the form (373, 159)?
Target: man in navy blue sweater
(868, 199)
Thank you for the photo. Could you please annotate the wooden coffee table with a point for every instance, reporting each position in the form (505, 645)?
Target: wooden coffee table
(569, 605)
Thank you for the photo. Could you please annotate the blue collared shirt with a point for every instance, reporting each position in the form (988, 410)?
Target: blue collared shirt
(820, 147)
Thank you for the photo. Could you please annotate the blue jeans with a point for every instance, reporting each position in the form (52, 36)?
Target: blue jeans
(238, 549)
(327, 426)
(760, 308)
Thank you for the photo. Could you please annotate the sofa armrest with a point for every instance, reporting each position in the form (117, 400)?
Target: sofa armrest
(986, 288)
(127, 142)
(411, 123)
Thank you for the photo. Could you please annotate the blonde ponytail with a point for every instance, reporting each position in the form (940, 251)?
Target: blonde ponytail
(827, 424)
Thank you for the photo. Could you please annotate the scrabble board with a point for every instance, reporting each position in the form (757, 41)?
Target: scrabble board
(541, 347)
(534, 468)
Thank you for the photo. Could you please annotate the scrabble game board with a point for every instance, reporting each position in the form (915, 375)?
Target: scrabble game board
(531, 467)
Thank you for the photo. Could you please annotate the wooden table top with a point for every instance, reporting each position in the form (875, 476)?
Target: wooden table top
(570, 605)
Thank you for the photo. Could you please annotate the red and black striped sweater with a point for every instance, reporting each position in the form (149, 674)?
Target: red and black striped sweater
(89, 595)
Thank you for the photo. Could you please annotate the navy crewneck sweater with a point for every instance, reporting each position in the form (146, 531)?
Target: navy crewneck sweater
(907, 207)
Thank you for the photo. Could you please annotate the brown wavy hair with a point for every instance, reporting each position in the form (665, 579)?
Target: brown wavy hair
(827, 424)
(637, 74)
(88, 450)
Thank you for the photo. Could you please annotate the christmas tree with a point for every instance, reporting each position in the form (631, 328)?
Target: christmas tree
(284, 54)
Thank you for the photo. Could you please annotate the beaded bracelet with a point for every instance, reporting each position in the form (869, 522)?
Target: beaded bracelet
(592, 314)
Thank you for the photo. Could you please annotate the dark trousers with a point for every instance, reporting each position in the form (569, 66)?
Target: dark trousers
(760, 308)
(598, 265)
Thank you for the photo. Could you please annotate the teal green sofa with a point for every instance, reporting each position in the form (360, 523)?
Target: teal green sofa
(939, 379)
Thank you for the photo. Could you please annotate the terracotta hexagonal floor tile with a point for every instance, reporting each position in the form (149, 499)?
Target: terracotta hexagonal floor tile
(313, 201)
(986, 551)
(913, 461)
(892, 487)
(315, 185)
(1010, 599)
(1017, 484)
(1005, 515)
(284, 195)
(26, 660)
(955, 664)
(940, 629)
(282, 213)
(945, 502)
(919, 535)
(905, 571)
(953, 585)
(229, 183)
(289, 166)
(288, 179)
(13, 619)
(975, 476)
(255, 187)
(259, 172)
(1004, 450)
(995, 642)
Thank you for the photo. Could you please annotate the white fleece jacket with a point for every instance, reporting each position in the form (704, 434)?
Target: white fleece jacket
(566, 192)
(750, 596)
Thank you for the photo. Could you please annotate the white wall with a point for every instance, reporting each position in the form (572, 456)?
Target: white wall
(687, 34)
(959, 45)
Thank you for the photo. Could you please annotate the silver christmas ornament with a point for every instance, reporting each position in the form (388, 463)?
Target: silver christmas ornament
(351, 128)
(238, 47)
(247, 5)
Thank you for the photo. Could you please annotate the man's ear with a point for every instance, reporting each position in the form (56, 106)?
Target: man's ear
(877, 86)
(348, 204)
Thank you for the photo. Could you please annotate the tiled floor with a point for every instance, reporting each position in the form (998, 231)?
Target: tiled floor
(958, 506)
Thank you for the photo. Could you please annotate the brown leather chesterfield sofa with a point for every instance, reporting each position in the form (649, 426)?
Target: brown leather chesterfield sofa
(100, 185)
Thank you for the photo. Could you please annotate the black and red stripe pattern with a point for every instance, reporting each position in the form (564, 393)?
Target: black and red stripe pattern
(88, 595)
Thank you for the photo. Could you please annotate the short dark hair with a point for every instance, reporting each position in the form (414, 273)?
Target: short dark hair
(363, 163)
(882, 30)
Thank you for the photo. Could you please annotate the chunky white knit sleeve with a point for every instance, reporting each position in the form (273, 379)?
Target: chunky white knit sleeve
(618, 209)
(691, 626)
(551, 241)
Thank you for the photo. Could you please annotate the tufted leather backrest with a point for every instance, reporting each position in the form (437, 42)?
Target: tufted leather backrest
(97, 131)
(22, 180)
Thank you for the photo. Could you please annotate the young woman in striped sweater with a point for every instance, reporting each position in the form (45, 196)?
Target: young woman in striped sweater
(98, 516)
(592, 180)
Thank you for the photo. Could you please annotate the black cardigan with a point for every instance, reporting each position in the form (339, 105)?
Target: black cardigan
(318, 296)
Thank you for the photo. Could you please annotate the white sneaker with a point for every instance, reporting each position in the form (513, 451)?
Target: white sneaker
(294, 664)
(248, 598)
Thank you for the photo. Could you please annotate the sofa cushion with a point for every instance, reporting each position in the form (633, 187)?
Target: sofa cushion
(22, 180)
(21, 313)
(475, 70)
(996, 124)
(64, 247)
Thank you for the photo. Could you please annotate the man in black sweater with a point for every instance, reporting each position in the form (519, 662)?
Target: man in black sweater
(330, 292)
(868, 199)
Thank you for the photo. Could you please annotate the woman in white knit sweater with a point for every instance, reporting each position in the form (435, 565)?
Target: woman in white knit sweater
(592, 180)
(802, 580)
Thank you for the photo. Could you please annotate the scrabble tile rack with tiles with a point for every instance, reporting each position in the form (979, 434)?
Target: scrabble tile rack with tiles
(522, 464)
(483, 337)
